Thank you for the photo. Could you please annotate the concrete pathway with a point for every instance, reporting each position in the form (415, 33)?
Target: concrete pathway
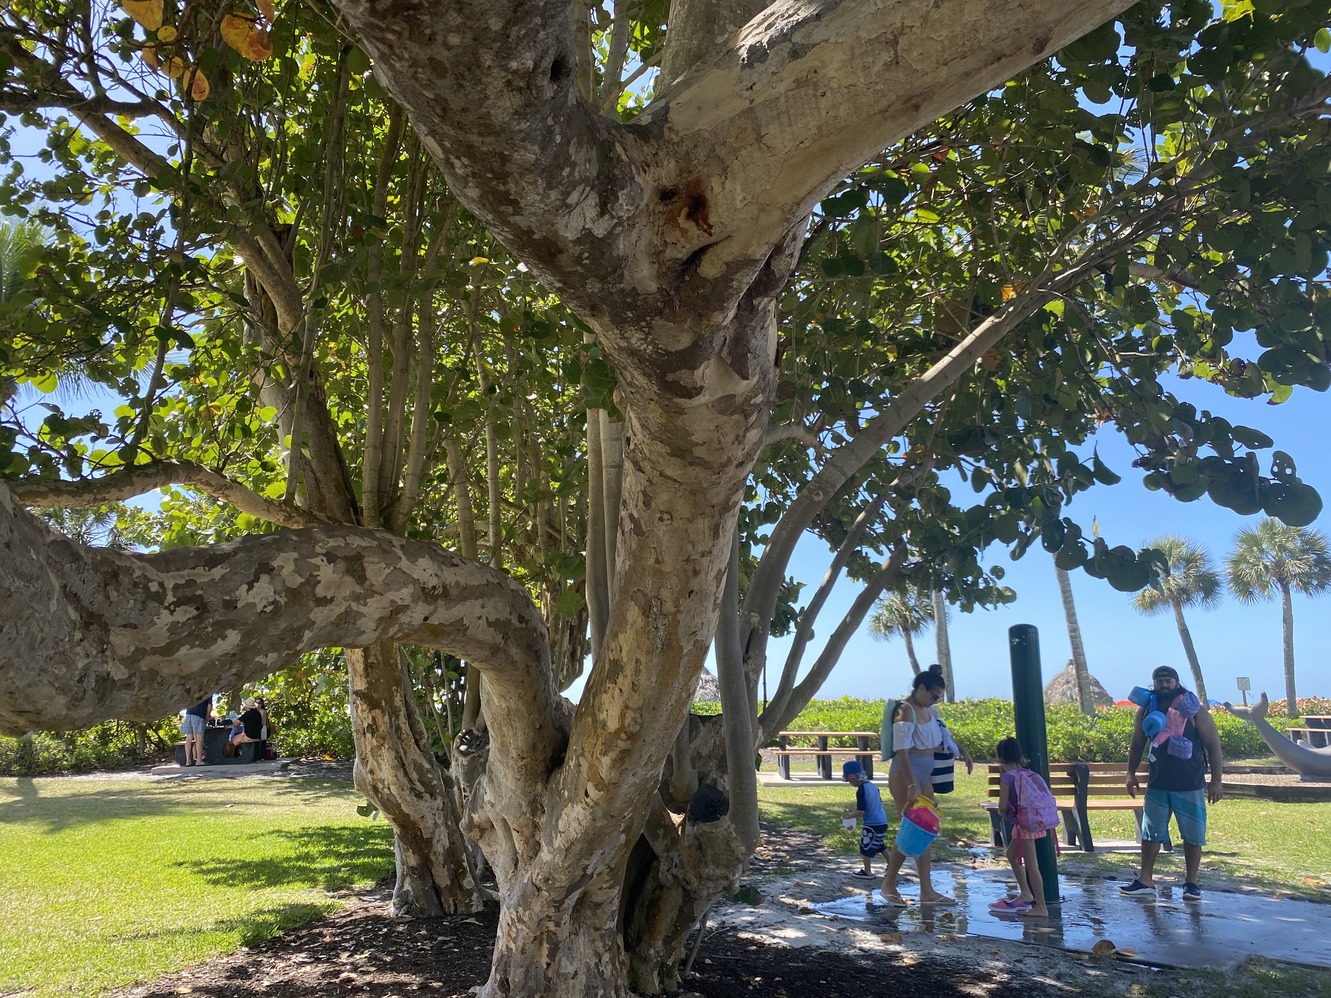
(223, 770)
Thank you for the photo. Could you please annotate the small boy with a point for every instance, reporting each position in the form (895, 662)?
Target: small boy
(868, 806)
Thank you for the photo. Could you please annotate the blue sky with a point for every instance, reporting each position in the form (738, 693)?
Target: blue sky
(1121, 645)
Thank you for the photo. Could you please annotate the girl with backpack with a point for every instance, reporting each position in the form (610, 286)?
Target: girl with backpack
(1031, 813)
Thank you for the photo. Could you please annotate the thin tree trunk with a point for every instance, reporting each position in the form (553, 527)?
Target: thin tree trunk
(910, 653)
(1085, 698)
(1287, 624)
(943, 646)
(612, 472)
(598, 573)
(736, 710)
(1189, 651)
(397, 772)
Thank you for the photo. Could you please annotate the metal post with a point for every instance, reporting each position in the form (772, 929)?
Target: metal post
(1028, 704)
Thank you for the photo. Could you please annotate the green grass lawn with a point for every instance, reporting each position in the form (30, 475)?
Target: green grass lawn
(105, 883)
(1271, 845)
(109, 882)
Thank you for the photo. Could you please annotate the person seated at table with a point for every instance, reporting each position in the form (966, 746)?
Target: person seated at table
(250, 726)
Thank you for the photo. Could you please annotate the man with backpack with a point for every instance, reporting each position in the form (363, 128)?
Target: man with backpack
(1184, 743)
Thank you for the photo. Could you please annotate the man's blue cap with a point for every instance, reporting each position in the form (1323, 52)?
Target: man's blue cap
(852, 768)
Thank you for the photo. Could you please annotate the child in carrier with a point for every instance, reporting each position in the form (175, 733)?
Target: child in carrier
(1031, 813)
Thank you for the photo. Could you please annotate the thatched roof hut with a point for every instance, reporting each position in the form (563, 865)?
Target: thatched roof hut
(1063, 688)
(709, 690)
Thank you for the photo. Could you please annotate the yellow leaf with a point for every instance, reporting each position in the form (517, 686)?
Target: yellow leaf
(247, 38)
(174, 67)
(196, 84)
(149, 56)
(146, 13)
(167, 34)
(1009, 292)
(267, 10)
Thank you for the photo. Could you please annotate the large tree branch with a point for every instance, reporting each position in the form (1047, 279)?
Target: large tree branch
(141, 478)
(88, 634)
(683, 205)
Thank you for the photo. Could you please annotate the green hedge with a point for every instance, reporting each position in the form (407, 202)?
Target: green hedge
(110, 745)
(980, 724)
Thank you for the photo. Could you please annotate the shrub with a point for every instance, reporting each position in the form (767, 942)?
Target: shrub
(980, 724)
(1306, 705)
(109, 745)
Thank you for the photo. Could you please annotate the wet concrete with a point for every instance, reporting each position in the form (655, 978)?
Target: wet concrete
(1220, 931)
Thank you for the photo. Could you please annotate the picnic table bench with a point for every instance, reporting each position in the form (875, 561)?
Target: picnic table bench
(822, 752)
(1317, 733)
(1078, 788)
(214, 738)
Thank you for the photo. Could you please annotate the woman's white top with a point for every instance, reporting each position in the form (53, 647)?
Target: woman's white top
(922, 735)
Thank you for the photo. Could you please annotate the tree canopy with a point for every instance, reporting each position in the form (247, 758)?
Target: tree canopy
(395, 274)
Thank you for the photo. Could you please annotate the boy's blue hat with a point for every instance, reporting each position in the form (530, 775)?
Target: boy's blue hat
(852, 768)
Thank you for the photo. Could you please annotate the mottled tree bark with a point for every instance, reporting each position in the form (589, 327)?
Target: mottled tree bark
(671, 236)
(132, 636)
(396, 770)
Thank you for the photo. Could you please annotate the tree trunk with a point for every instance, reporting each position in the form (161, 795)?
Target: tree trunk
(681, 874)
(941, 643)
(1085, 698)
(910, 653)
(1287, 626)
(688, 853)
(566, 945)
(398, 773)
(1189, 651)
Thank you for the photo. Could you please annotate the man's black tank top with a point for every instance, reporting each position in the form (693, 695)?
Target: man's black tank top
(1169, 772)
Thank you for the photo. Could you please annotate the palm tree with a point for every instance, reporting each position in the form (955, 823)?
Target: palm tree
(1186, 580)
(19, 241)
(942, 644)
(1275, 556)
(1085, 698)
(905, 611)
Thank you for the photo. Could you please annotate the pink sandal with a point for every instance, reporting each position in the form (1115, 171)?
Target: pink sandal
(1010, 905)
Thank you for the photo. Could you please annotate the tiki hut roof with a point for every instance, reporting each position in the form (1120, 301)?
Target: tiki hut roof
(1063, 689)
(709, 690)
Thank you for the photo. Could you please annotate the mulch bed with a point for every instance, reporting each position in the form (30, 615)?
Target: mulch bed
(361, 950)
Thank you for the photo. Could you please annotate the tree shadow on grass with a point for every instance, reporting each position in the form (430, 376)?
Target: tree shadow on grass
(96, 803)
(330, 859)
(251, 927)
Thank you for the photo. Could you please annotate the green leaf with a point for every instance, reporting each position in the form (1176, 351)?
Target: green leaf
(845, 203)
(1250, 438)
(1323, 40)
(1101, 471)
(569, 603)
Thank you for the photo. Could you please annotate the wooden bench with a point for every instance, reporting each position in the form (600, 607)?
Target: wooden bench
(1078, 788)
(822, 752)
(1313, 737)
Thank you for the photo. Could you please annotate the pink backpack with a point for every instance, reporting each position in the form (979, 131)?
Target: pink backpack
(1037, 812)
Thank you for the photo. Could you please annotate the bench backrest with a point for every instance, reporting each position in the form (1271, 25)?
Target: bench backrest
(1103, 779)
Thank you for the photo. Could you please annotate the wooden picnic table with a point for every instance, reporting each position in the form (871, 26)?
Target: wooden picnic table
(821, 751)
(1316, 730)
